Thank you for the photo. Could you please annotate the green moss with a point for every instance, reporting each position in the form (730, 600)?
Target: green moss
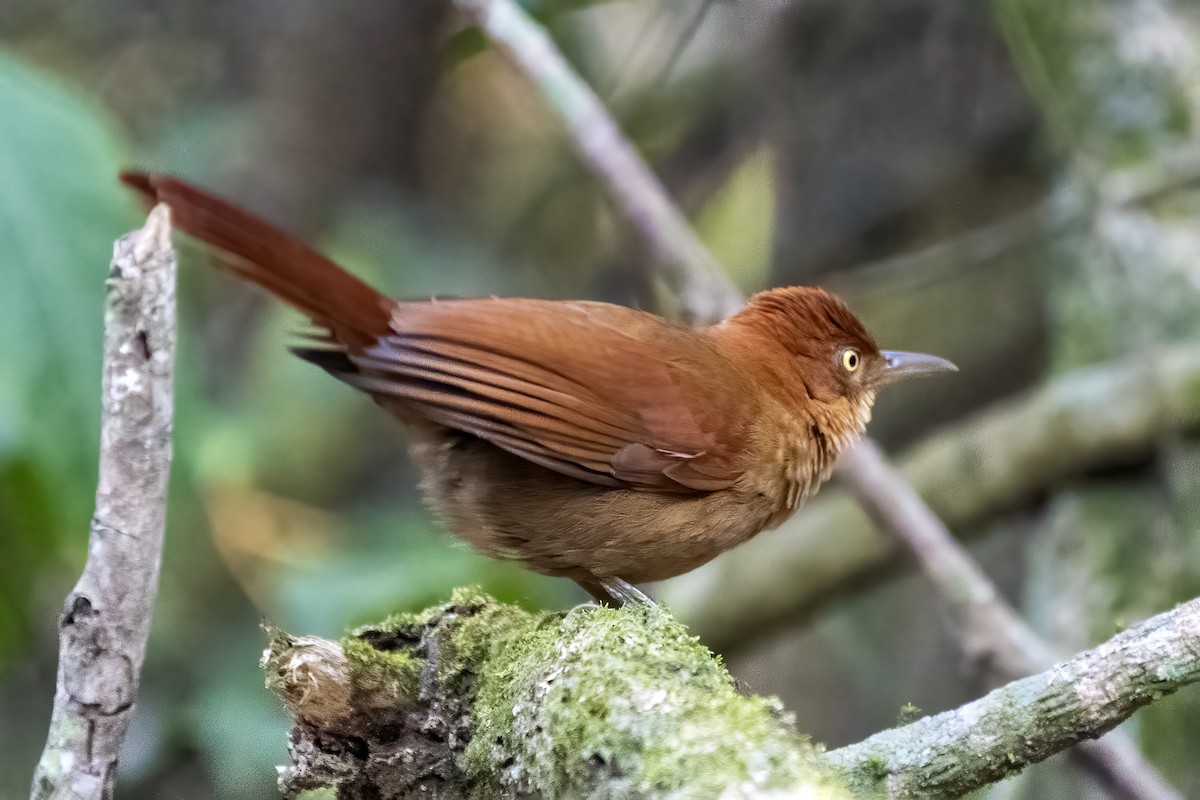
(561, 702)
(873, 769)
(629, 695)
(908, 713)
(464, 632)
(327, 793)
(386, 674)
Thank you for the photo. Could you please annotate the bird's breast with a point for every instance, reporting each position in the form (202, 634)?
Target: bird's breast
(793, 462)
(797, 453)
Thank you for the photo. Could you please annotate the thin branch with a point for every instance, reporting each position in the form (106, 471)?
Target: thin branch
(949, 754)
(970, 470)
(1069, 208)
(705, 291)
(106, 617)
(988, 629)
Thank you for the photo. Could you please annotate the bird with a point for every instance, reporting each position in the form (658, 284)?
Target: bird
(586, 440)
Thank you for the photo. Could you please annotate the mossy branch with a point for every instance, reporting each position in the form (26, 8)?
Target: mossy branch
(950, 754)
(475, 698)
(479, 699)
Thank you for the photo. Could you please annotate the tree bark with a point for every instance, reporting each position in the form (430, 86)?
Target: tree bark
(950, 754)
(106, 617)
(479, 699)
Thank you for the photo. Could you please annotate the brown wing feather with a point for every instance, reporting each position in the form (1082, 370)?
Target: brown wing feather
(601, 402)
(585, 389)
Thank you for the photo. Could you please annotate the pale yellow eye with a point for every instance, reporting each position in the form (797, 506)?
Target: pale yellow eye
(851, 359)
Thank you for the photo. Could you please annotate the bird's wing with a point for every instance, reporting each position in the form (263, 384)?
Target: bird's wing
(598, 402)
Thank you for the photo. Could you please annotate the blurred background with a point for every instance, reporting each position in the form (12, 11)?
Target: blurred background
(1010, 184)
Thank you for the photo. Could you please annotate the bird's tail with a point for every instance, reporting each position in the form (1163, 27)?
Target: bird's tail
(334, 299)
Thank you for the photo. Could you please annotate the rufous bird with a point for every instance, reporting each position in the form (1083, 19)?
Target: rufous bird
(587, 440)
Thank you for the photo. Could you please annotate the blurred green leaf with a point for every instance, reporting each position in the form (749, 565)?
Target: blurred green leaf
(401, 561)
(239, 726)
(463, 46)
(738, 223)
(60, 209)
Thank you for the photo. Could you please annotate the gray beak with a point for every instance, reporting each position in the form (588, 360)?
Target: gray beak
(898, 365)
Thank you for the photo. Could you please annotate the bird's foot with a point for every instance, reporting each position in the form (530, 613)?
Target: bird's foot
(622, 592)
(613, 592)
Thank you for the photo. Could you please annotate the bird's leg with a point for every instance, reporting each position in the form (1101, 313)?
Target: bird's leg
(627, 592)
(614, 592)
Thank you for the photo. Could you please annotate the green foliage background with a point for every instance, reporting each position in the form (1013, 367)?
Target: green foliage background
(809, 143)
(60, 210)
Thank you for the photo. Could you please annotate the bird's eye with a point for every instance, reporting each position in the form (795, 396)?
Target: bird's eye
(851, 359)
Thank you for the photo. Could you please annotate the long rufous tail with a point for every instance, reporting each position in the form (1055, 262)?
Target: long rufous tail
(259, 252)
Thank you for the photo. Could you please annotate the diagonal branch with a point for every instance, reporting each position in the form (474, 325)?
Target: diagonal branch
(988, 629)
(950, 754)
(706, 292)
(970, 470)
(106, 617)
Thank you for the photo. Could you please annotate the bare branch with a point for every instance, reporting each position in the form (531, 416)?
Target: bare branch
(976, 467)
(948, 755)
(106, 617)
(706, 293)
(480, 699)
(988, 629)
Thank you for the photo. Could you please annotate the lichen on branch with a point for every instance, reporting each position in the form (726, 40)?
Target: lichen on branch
(475, 698)
(1026, 721)
(480, 699)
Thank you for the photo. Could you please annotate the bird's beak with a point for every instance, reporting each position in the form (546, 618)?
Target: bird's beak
(898, 365)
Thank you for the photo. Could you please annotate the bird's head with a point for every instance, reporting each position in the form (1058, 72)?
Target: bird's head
(819, 349)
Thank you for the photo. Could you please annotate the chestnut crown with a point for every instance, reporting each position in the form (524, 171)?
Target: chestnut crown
(831, 352)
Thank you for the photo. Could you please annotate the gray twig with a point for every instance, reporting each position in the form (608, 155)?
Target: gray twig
(706, 293)
(988, 629)
(965, 472)
(950, 754)
(106, 617)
